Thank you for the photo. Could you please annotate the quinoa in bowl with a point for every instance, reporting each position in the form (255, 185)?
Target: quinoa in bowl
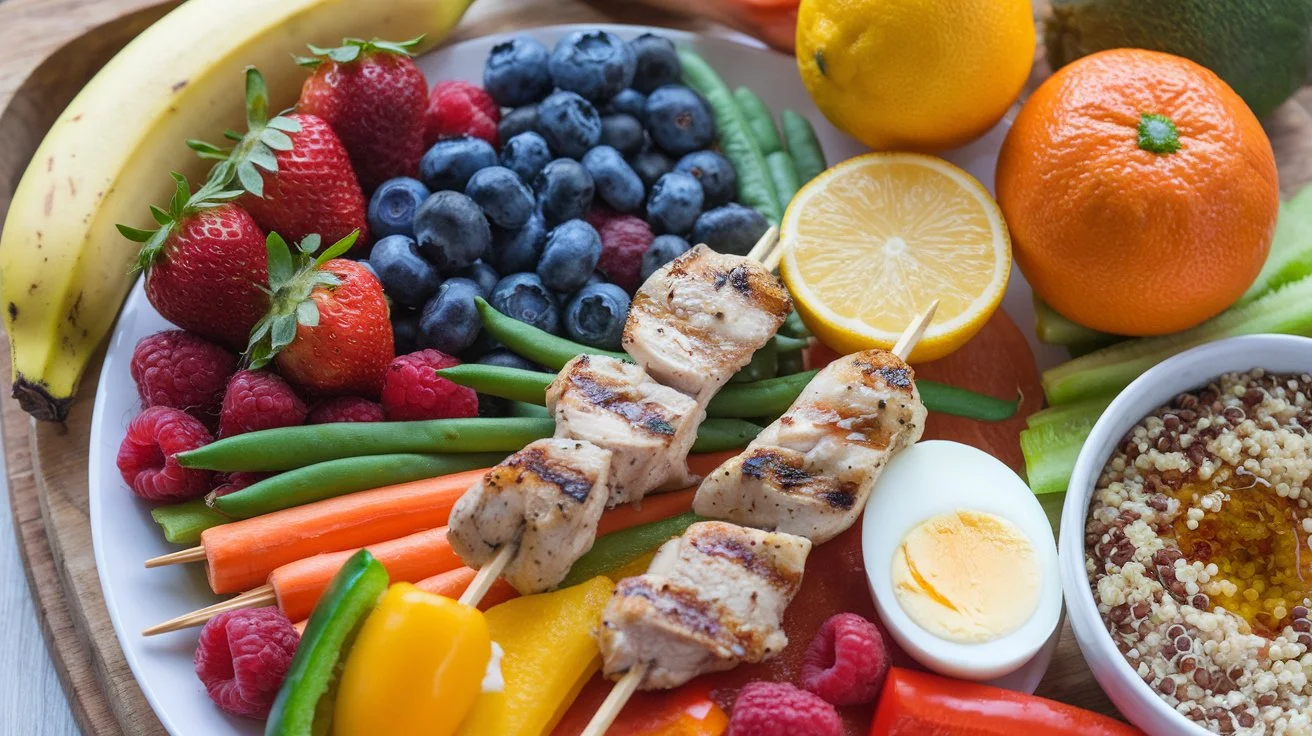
(1198, 554)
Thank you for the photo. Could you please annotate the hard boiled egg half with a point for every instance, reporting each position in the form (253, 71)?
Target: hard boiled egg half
(961, 561)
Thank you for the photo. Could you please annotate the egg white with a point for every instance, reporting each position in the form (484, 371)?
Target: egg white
(939, 477)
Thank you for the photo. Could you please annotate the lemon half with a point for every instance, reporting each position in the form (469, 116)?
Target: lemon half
(874, 240)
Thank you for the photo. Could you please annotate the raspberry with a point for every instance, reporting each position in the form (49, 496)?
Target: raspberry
(258, 400)
(146, 457)
(412, 390)
(459, 108)
(624, 238)
(346, 409)
(780, 709)
(237, 480)
(846, 662)
(178, 369)
(242, 657)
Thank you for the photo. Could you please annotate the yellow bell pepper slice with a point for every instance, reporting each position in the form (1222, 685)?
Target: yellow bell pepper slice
(550, 654)
(416, 667)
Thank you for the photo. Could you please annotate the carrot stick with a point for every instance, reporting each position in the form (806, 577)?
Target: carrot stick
(452, 584)
(240, 555)
(659, 506)
(409, 559)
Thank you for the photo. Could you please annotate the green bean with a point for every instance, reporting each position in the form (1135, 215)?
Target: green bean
(528, 410)
(614, 550)
(737, 144)
(805, 148)
(784, 175)
(759, 120)
(764, 364)
(183, 522)
(717, 435)
(790, 363)
(768, 398)
(515, 384)
(960, 402)
(287, 448)
(786, 344)
(793, 326)
(340, 477)
(537, 345)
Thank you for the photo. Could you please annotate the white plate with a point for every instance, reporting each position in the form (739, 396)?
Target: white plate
(124, 534)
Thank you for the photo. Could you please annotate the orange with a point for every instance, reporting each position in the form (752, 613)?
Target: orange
(1140, 192)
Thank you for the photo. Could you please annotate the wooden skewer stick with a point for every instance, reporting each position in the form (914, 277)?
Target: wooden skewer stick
(628, 684)
(772, 259)
(195, 554)
(487, 575)
(254, 598)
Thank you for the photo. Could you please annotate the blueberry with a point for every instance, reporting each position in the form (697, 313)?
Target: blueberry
(719, 181)
(679, 120)
(650, 166)
(675, 203)
(564, 190)
(520, 120)
(506, 359)
(392, 208)
(629, 102)
(405, 331)
(596, 315)
(657, 63)
(482, 274)
(406, 277)
(570, 255)
(731, 228)
(516, 72)
(595, 64)
(502, 195)
(450, 320)
(663, 249)
(622, 132)
(519, 250)
(452, 231)
(524, 297)
(570, 123)
(450, 163)
(525, 154)
(615, 181)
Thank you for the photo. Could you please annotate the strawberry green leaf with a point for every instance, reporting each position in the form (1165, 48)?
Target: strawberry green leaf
(309, 62)
(232, 135)
(281, 267)
(181, 193)
(275, 139)
(307, 313)
(162, 218)
(310, 243)
(338, 248)
(283, 331)
(250, 178)
(262, 157)
(136, 235)
(285, 124)
(207, 151)
(257, 99)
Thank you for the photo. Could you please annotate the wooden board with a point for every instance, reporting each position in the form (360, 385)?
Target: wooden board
(48, 48)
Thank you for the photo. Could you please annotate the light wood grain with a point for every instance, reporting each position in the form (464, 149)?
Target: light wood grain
(47, 464)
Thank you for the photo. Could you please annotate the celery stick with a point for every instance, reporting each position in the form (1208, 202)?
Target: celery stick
(1050, 452)
(182, 523)
(1287, 310)
(1054, 329)
(1291, 248)
(1052, 504)
(1089, 409)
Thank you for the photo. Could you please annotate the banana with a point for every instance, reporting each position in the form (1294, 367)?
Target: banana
(64, 269)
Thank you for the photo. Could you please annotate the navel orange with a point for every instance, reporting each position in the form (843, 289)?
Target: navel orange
(1140, 192)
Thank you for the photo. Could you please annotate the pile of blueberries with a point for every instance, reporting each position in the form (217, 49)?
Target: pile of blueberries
(596, 125)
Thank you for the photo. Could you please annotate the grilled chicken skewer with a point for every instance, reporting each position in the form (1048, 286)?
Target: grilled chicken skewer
(647, 428)
(663, 628)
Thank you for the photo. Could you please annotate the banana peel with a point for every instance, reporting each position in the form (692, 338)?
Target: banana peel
(64, 269)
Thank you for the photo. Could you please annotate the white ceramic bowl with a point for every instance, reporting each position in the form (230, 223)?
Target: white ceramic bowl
(1186, 371)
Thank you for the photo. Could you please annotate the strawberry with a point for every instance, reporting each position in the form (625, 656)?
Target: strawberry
(206, 265)
(294, 169)
(328, 327)
(374, 97)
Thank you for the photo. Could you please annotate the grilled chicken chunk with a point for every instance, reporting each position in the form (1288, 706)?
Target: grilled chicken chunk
(711, 599)
(647, 427)
(547, 498)
(811, 471)
(699, 318)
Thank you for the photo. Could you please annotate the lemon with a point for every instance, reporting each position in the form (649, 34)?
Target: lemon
(914, 74)
(871, 242)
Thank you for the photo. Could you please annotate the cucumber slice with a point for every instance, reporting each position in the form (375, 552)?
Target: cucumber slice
(1050, 451)
(1291, 248)
(1055, 329)
(1089, 409)
(1287, 310)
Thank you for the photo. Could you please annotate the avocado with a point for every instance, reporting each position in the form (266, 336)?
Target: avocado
(1261, 48)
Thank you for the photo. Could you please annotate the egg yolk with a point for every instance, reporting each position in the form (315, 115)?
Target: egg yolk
(967, 576)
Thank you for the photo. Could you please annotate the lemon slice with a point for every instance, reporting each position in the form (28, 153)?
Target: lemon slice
(875, 239)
